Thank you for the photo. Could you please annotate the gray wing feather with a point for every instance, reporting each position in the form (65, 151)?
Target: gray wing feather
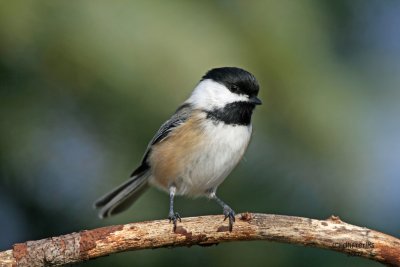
(179, 117)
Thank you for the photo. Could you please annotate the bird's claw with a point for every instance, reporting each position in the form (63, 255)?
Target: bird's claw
(174, 217)
(229, 213)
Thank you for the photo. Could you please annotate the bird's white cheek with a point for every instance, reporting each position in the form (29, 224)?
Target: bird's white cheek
(210, 95)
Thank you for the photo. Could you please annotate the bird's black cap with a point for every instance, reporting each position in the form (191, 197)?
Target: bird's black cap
(237, 80)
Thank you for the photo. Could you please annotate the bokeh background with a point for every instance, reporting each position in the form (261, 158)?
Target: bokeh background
(85, 84)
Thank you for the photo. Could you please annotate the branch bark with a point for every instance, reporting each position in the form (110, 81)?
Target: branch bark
(330, 234)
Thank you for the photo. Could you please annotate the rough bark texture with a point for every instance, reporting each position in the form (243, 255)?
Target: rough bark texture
(330, 234)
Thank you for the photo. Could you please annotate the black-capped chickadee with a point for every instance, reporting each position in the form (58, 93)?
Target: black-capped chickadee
(195, 150)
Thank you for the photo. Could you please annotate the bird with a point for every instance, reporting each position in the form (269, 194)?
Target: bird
(197, 148)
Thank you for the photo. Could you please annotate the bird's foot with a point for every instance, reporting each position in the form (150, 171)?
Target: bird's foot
(229, 213)
(174, 217)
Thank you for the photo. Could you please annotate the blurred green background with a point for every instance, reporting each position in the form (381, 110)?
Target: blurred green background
(84, 85)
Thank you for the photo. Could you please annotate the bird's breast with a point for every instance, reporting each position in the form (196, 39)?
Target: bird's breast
(198, 155)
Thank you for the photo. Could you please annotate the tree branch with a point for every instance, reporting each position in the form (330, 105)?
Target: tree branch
(330, 234)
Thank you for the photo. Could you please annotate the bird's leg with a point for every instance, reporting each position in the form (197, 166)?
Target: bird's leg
(228, 211)
(173, 216)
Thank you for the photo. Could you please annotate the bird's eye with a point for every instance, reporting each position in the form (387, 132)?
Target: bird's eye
(235, 88)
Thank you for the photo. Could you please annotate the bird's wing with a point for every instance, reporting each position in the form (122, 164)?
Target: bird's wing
(179, 117)
(124, 195)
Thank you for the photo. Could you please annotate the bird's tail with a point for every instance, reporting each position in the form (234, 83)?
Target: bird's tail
(123, 196)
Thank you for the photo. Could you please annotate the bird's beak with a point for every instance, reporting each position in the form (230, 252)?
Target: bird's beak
(255, 100)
